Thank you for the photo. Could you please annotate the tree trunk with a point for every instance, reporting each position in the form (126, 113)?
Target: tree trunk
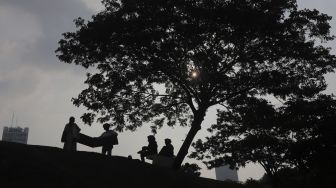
(195, 127)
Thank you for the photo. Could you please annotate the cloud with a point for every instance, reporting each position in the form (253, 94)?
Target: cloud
(31, 30)
(33, 83)
(19, 33)
(29, 35)
(93, 5)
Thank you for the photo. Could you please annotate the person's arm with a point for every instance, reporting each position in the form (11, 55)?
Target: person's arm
(114, 132)
(171, 152)
(63, 136)
(78, 129)
(63, 139)
(161, 151)
(76, 132)
(153, 148)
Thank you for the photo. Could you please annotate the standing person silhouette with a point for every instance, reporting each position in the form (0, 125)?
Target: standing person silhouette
(70, 135)
(107, 148)
(151, 149)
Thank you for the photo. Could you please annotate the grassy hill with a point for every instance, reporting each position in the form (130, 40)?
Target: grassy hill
(41, 166)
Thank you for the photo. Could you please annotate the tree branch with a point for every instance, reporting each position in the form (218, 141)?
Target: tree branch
(185, 88)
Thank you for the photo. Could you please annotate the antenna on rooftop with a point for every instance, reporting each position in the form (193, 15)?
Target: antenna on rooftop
(12, 120)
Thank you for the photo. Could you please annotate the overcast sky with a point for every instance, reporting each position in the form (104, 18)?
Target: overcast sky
(38, 88)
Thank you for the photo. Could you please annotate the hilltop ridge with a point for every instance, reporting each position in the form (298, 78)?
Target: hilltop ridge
(43, 166)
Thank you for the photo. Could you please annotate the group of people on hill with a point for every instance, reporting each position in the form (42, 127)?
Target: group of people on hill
(71, 135)
(151, 149)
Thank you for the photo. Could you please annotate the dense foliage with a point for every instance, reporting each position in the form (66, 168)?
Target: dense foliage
(298, 135)
(168, 61)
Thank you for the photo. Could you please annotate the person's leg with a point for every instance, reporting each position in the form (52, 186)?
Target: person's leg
(66, 145)
(142, 155)
(73, 146)
(109, 150)
(103, 150)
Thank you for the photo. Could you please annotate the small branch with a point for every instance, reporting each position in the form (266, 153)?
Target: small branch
(185, 88)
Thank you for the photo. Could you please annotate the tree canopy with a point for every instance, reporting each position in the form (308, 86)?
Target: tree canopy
(300, 134)
(168, 61)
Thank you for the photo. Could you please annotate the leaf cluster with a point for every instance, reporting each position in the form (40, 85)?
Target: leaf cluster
(298, 134)
(146, 52)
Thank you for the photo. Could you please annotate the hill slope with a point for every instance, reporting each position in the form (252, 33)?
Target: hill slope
(41, 166)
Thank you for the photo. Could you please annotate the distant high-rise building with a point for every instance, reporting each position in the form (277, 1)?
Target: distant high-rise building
(225, 173)
(15, 134)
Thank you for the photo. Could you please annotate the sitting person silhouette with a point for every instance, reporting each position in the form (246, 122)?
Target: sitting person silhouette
(107, 148)
(151, 149)
(70, 135)
(168, 149)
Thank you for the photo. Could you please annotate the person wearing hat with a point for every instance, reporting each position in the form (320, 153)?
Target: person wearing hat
(168, 149)
(107, 148)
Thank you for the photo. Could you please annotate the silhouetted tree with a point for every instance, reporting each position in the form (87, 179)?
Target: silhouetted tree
(168, 61)
(312, 128)
(191, 169)
(249, 132)
(300, 134)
